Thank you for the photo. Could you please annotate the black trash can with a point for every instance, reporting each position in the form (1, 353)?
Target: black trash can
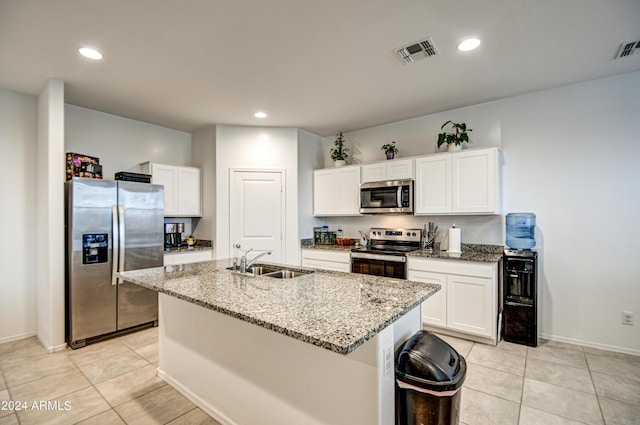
(429, 375)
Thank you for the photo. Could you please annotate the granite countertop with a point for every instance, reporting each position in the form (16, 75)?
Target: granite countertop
(186, 249)
(333, 310)
(470, 252)
(330, 247)
(466, 255)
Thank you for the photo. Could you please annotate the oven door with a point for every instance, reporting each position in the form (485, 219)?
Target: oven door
(394, 266)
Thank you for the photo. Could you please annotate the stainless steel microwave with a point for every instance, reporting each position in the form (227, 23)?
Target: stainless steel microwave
(387, 197)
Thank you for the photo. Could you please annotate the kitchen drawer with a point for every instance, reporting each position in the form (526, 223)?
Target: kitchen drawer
(327, 255)
(326, 265)
(187, 257)
(459, 267)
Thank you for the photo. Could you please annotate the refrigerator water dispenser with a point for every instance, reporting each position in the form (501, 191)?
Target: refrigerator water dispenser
(95, 248)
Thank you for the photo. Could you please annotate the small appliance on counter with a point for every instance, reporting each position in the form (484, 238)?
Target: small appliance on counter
(173, 235)
(322, 236)
(520, 291)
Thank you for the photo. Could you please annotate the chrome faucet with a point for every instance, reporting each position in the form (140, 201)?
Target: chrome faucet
(243, 261)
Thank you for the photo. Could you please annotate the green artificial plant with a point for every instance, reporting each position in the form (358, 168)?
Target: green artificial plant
(390, 148)
(458, 136)
(339, 152)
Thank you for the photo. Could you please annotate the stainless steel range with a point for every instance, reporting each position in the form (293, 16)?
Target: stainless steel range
(386, 253)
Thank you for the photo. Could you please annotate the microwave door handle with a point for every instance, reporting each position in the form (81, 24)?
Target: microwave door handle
(399, 197)
(122, 243)
(115, 243)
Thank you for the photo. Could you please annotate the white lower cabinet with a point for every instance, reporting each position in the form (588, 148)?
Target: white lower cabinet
(173, 258)
(337, 261)
(467, 304)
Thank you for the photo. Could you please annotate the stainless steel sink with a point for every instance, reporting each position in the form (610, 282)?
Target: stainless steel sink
(286, 274)
(260, 270)
(268, 270)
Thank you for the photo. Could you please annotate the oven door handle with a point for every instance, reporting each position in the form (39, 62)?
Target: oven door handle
(394, 258)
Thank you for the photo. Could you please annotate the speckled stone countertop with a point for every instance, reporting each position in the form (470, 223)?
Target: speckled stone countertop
(186, 249)
(201, 245)
(470, 252)
(336, 311)
(330, 247)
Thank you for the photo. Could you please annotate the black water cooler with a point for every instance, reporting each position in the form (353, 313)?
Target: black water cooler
(520, 291)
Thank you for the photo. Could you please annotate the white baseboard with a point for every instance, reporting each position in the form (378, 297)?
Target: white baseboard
(51, 349)
(17, 337)
(591, 344)
(206, 407)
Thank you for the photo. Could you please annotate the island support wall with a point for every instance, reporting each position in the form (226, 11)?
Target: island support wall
(240, 373)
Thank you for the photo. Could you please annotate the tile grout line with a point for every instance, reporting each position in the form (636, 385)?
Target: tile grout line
(595, 389)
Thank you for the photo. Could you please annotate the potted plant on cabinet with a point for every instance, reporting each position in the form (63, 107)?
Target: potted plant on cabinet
(339, 154)
(390, 149)
(455, 139)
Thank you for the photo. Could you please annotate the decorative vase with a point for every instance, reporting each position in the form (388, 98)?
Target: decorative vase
(390, 155)
(452, 147)
(339, 163)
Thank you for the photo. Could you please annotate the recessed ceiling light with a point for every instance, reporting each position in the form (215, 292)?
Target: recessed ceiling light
(90, 53)
(260, 115)
(468, 44)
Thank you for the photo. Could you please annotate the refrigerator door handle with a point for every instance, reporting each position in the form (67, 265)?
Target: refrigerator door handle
(115, 243)
(122, 243)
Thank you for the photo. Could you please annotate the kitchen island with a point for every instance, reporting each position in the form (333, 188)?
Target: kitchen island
(314, 349)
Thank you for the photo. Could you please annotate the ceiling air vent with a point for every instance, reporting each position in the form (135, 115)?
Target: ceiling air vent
(627, 49)
(419, 50)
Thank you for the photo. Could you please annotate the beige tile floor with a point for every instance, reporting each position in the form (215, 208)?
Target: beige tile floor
(115, 382)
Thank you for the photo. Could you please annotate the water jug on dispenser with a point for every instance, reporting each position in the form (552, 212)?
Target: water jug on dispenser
(520, 230)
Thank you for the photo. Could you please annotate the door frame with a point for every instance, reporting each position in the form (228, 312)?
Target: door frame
(283, 203)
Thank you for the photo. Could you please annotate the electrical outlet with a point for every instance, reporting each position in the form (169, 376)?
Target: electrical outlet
(627, 318)
(388, 361)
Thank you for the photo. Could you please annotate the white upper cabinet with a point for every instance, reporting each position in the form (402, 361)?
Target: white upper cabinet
(464, 182)
(336, 191)
(475, 176)
(189, 196)
(433, 187)
(182, 188)
(396, 169)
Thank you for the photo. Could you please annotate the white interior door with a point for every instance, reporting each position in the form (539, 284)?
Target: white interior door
(257, 212)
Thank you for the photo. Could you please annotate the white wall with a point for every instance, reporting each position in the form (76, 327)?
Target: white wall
(310, 157)
(203, 152)
(571, 156)
(122, 143)
(259, 148)
(18, 136)
(50, 216)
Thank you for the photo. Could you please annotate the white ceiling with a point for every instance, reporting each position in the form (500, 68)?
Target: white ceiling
(320, 65)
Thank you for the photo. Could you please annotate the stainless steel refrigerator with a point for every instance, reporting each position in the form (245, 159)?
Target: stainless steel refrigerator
(111, 226)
